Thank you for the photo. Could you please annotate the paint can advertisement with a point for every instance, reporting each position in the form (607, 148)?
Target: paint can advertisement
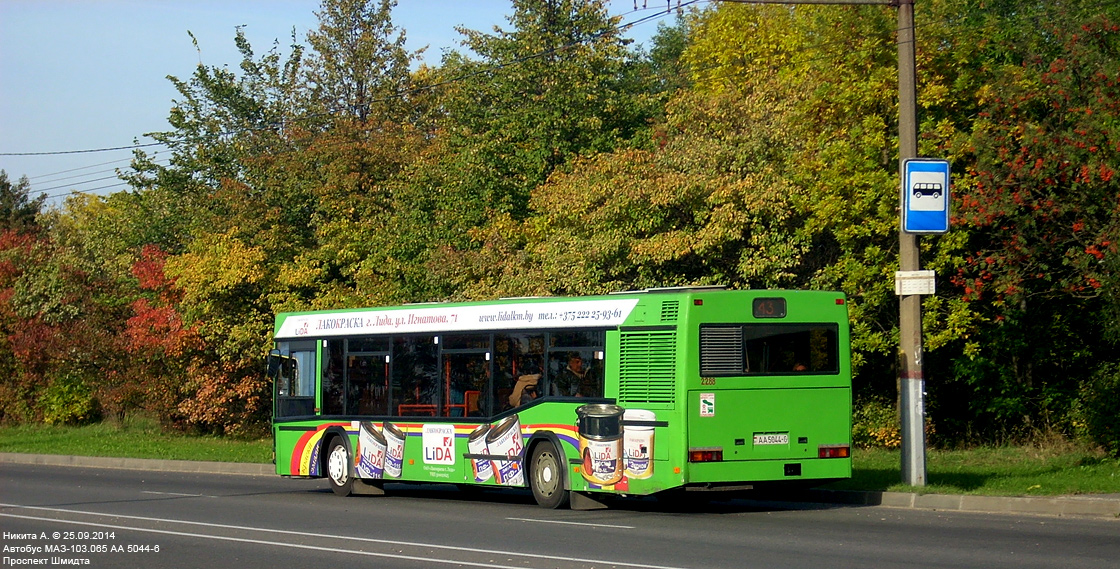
(439, 444)
(505, 439)
(602, 460)
(600, 443)
(394, 450)
(476, 444)
(371, 452)
(637, 443)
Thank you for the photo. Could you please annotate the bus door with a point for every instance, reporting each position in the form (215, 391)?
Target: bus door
(465, 361)
(367, 376)
(292, 369)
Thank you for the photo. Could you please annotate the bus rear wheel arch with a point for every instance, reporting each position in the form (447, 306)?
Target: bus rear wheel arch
(546, 475)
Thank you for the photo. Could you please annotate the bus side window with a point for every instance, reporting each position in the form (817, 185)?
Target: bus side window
(576, 374)
(518, 377)
(593, 385)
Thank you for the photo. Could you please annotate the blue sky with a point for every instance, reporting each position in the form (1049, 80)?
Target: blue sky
(90, 74)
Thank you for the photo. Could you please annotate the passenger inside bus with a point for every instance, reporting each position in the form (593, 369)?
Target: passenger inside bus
(576, 379)
(525, 390)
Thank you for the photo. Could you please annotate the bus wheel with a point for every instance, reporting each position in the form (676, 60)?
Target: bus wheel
(338, 468)
(546, 476)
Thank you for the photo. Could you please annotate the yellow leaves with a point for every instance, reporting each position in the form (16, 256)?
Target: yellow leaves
(934, 93)
(985, 94)
(304, 271)
(663, 247)
(214, 264)
(733, 42)
(220, 277)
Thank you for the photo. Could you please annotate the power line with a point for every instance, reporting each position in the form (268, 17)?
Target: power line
(88, 151)
(90, 181)
(79, 168)
(85, 174)
(121, 184)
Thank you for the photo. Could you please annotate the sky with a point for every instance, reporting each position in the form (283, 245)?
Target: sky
(79, 75)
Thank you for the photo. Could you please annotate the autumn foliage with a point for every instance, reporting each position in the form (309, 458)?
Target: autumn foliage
(749, 145)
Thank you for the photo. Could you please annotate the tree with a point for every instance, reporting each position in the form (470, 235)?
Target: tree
(60, 316)
(17, 210)
(221, 280)
(548, 89)
(1041, 213)
(358, 69)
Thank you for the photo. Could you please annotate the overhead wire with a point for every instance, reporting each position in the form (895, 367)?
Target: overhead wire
(86, 151)
(80, 168)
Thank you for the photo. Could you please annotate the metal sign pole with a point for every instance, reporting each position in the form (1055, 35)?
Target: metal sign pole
(911, 382)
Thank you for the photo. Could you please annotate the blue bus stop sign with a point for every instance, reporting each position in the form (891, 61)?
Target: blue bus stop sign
(925, 196)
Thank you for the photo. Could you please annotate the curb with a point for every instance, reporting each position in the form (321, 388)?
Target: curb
(1107, 506)
(1100, 506)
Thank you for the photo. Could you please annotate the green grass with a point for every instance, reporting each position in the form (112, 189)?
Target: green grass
(131, 441)
(1050, 469)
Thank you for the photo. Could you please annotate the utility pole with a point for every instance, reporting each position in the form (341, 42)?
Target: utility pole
(911, 380)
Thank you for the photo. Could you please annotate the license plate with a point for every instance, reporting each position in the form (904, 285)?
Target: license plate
(772, 439)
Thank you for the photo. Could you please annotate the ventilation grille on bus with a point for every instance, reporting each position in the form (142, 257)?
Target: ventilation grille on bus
(648, 362)
(721, 350)
(669, 310)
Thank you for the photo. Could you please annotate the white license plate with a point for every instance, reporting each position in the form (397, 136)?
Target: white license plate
(772, 439)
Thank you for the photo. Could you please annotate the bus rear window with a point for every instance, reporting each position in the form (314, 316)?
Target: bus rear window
(768, 349)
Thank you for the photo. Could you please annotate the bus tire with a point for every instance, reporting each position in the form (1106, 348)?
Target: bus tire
(338, 468)
(546, 476)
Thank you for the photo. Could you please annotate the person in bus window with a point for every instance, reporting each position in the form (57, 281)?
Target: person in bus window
(571, 379)
(525, 390)
(592, 383)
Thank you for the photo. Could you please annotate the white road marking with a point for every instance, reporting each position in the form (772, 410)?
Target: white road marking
(260, 542)
(306, 534)
(570, 523)
(177, 494)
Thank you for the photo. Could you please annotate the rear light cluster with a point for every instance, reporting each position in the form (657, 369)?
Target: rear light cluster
(713, 454)
(833, 451)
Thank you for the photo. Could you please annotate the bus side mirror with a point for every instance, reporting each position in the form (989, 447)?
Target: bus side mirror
(274, 361)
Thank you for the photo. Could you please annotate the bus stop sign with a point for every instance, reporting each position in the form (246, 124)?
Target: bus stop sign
(925, 196)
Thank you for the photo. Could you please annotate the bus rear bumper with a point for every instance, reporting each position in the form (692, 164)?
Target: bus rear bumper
(729, 473)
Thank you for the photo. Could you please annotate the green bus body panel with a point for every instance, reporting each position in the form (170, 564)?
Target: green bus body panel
(652, 363)
(806, 417)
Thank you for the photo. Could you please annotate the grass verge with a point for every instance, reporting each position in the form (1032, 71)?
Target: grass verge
(130, 441)
(1051, 469)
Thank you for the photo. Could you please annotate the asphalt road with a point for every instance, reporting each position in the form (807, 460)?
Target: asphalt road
(119, 518)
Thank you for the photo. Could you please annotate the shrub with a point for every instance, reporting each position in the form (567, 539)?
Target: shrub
(875, 424)
(67, 400)
(1096, 416)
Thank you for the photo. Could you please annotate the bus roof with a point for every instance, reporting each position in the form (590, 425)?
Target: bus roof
(605, 311)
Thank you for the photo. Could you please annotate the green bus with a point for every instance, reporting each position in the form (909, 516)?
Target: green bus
(633, 393)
